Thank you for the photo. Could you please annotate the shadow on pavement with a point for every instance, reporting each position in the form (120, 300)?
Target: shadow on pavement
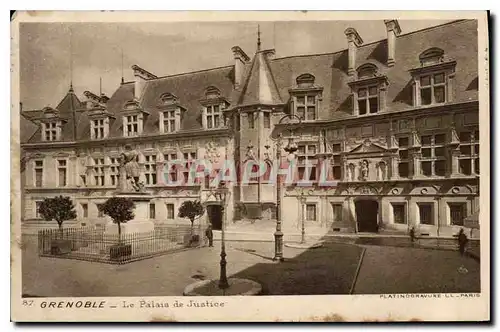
(330, 269)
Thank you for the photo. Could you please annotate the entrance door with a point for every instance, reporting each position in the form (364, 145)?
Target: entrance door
(214, 213)
(367, 215)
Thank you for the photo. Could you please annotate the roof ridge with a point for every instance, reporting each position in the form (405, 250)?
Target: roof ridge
(190, 72)
(374, 42)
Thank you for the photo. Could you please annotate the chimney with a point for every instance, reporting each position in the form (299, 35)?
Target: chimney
(240, 59)
(141, 76)
(393, 30)
(353, 41)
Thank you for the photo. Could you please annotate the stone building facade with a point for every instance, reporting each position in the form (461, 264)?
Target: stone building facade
(396, 121)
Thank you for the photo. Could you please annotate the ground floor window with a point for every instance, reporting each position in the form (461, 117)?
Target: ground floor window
(399, 213)
(457, 213)
(37, 210)
(426, 213)
(170, 211)
(311, 212)
(152, 211)
(85, 210)
(337, 211)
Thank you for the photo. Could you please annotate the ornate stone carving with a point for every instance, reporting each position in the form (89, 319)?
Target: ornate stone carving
(364, 170)
(212, 152)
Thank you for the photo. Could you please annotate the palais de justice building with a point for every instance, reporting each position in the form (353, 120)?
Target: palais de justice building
(396, 120)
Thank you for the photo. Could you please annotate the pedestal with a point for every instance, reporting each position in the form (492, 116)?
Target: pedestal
(141, 222)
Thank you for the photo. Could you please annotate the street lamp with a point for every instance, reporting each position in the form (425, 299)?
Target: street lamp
(302, 199)
(290, 149)
(221, 195)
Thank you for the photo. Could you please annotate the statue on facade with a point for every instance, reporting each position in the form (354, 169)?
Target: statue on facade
(363, 170)
(352, 170)
(130, 171)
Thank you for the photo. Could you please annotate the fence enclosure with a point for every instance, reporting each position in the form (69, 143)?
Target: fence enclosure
(92, 244)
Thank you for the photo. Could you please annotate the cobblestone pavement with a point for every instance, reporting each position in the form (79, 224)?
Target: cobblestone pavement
(327, 270)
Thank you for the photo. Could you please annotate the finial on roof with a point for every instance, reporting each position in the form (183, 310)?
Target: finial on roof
(258, 37)
(123, 81)
(71, 87)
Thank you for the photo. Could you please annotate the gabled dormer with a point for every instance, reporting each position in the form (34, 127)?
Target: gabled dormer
(433, 80)
(171, 113)
(51, 123)
(98, 115)
(133, 117)
(214, 105)
(306, 97)
(369, 90)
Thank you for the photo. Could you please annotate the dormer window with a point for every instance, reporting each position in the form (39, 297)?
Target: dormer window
(98, 115)
(171, 113)
(369, 90)
(131, 125)
(306, 107)
(306, 97)
(213, 109)
(51, 124)
(97, 128)
(432, 81)
(431, 56)
(169, 121)
(214, 116)
(133, 119)
(432, 89)
(51, 130)
(368, 100)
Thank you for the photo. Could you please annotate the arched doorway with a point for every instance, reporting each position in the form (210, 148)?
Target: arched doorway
(214, 212)
(367, 215)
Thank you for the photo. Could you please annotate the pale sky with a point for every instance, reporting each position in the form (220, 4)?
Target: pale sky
(164, 49)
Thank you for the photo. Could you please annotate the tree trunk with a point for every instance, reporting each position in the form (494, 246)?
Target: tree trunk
(192, 227)
(119, 233)
(59, 224)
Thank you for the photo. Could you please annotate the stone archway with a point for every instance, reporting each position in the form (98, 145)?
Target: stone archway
(215, 214)
(367, 215)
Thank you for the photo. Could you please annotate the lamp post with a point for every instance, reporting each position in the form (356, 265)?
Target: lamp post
(222, 194)
(290, 149)
(302, 199)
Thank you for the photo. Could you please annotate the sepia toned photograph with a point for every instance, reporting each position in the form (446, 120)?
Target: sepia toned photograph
(166, 165)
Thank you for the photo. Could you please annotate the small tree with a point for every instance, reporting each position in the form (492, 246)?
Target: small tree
(121, 210)
(58, 208)
(191, 210)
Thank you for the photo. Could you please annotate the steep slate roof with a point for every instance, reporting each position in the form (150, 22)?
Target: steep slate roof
(189, 89)
(267, 80)
(27, 128)
(260, 87)
(67, 110)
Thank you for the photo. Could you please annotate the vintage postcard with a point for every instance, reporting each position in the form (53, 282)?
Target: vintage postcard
(250, 166)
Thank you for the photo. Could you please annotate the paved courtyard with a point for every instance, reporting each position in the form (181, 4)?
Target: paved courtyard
(327, 270)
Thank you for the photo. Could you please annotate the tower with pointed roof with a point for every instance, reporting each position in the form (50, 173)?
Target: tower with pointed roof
(258, 105)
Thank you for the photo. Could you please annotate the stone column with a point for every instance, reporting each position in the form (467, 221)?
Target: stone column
(73, 171)
(394, 161)
(204, 117)
(455, 167)
(415, 163)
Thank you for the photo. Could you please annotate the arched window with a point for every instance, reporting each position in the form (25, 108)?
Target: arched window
(367, 70)
(269, 168)
(212, 92)
(431, 56)
(305, 80)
